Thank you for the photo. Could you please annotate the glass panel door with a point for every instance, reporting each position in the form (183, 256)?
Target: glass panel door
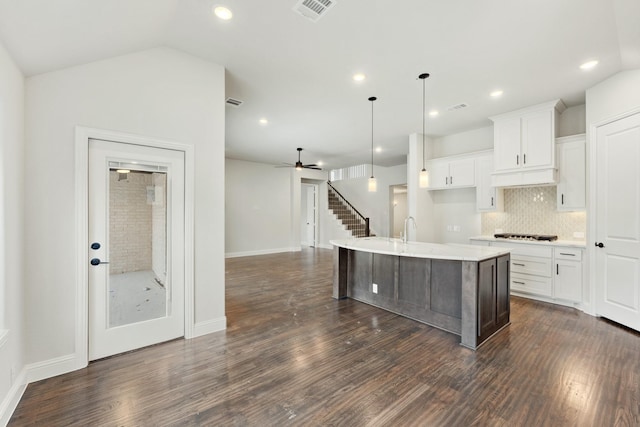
(137, 246)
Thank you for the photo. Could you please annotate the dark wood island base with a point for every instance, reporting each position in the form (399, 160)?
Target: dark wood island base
(466, 298)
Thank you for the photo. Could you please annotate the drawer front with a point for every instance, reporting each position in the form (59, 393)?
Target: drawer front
(569, 254)
(526, 250)
(531, 284)
(531, 265)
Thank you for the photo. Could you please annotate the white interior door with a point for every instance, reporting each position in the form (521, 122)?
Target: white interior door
(311, 215)
(618, 221)
(136, 247)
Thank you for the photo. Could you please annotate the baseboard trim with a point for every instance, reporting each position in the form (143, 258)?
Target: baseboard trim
(260, 252)
(210, 326)
(323, 246)
(52, 368)
(11, 400)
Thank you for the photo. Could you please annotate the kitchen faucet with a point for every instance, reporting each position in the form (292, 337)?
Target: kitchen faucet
(404, 236)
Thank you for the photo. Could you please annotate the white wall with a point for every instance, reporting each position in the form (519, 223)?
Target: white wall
(160, 93)
(460, 143)
(257, 208)
(454, 208)
(572, 121)
(616, 95)
(12, 330)
(374, 205)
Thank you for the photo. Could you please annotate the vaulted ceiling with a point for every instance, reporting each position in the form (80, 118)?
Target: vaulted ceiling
(298, 74)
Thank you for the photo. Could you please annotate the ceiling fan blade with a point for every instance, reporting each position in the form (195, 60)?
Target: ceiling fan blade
(310, 164)
(312, 167)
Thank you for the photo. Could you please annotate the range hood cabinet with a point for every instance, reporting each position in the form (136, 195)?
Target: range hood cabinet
(524, 146)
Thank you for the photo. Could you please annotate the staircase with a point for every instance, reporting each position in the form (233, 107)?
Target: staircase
(350, 218)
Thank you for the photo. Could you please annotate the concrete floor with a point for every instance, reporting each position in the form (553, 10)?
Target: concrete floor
(135, 297)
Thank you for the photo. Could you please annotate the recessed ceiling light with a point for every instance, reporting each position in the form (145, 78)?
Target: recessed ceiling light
(589, 65)
(320, 163)
(496, 94)
(434, 113)
(378, 149)
(359, 77)
(263, 121)
(222, 12)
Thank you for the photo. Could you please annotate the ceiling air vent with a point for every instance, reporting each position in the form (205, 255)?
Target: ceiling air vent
(313, 10)
(233, 102)
(457, 107)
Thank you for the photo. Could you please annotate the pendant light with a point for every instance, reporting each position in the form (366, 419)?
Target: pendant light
(424, 174)
(373, 184)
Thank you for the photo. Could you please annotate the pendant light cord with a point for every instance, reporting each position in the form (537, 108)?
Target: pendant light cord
(424, 119)
(373, 98)
(423, 77)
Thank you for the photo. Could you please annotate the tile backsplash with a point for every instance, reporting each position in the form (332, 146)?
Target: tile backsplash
(532, 210)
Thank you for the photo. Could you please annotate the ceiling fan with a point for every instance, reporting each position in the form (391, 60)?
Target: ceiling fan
(299, 166)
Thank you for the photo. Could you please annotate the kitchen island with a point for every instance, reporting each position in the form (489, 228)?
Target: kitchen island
(461, 289)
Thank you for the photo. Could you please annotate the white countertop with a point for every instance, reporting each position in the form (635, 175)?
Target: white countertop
(388, 246)
(567, 243)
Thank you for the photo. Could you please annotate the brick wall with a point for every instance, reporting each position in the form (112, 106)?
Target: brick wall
(130, 223)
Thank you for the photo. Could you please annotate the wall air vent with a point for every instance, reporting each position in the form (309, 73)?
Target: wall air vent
(313, 10)
(457, 107)
(234, 102)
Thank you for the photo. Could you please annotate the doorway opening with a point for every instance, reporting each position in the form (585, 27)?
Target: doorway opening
(397, 209)
(309, 214)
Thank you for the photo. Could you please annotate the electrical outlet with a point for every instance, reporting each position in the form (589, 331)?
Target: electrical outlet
(375, 288)
(578, 234)
(457, 228)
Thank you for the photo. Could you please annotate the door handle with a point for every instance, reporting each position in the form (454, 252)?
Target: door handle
(600, 245)
(95, 246)
(96, 261)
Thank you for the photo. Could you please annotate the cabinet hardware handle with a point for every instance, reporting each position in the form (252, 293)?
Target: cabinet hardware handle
(562, 199)
(557, 269)
(600, 245)
(524, 157)
(562, 253)
(492, 201)
(520, 265)
(450, 180)
(517, 159)
(519, 283)
(446, 180)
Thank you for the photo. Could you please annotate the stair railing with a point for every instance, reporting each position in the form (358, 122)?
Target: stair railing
(352, 209)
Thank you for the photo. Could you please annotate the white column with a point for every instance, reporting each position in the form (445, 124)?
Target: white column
(419, 201)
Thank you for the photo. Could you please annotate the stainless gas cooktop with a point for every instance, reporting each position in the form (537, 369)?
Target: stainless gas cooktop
(518, 236)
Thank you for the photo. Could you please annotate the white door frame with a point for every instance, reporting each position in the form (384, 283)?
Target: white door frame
(589, 285)
(82, 136)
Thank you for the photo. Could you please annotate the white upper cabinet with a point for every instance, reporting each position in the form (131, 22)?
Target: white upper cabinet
(524, 145)
(488, 197)
(507, 152)
(571, 158)
(447, 172)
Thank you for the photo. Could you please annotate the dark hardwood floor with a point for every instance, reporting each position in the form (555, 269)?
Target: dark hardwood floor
(294, 356)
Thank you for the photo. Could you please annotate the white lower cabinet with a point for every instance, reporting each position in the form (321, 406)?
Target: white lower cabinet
(549, 272)
(568, 274)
